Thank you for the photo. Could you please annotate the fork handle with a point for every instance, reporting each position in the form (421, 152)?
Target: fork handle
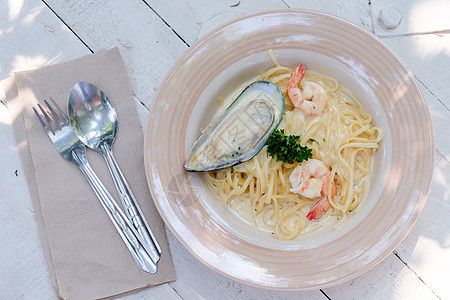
(130, 204)
(126, 230)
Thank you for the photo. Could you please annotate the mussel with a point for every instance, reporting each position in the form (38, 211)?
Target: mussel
(240, 131)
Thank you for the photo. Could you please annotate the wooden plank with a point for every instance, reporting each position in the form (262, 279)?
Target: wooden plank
(356, 12)
(22, 258)
(32, 37)
(414, 16)
(206, 15)
(426, 248)
(148, 46)
(390, 279)
(441, 116)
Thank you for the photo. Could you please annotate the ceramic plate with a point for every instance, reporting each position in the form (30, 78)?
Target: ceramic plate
(233, 54)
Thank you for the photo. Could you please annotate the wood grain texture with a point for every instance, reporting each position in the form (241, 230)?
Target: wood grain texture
(391, 279)
(21, 250)
(416, 17)
(426, 250)
(148, 46)
(32, 37)
(356, 12)
(206, 15)
(151, 35)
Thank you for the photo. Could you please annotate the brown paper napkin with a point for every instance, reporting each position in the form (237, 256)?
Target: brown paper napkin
(85, 255)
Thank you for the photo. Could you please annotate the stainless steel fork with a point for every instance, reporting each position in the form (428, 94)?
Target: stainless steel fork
(67, 144)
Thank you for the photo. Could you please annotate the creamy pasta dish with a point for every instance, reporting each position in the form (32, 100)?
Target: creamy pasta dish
(292, 198)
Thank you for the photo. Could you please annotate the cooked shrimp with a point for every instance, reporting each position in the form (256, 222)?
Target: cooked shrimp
(307, 178)
(313, 98)
(322, 205)
(311, 179)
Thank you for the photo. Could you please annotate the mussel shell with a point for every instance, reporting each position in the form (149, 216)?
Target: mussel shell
(240, 131)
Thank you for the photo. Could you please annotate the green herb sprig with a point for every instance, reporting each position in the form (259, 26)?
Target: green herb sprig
(287, 148)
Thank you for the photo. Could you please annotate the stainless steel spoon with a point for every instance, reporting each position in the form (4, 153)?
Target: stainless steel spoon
(94, 121)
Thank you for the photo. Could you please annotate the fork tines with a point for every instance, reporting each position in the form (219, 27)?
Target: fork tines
(55, 119)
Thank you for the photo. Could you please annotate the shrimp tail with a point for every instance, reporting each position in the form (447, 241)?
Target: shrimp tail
(294, 93)
(297, 76)
(318, 209)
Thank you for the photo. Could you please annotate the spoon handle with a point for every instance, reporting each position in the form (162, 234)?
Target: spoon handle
(127, 232)
(131, 206)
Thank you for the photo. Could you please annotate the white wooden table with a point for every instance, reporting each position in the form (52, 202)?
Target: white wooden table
(151, 35)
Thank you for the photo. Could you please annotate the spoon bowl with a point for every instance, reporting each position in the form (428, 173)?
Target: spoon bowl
(92, 115)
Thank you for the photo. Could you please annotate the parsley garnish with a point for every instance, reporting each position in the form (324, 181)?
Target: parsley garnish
(287, 148)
